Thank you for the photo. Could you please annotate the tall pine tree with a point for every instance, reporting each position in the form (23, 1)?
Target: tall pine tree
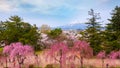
(113, 30)
(114, 24)
(93, 31)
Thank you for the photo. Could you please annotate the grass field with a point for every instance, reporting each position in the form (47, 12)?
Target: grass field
(1, 49)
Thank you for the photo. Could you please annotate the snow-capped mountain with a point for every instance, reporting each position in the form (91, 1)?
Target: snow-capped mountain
(77, 26)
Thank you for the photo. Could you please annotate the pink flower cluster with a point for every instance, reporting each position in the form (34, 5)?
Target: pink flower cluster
(59, 50)
(101, 55)
(114, 55)
(18, 49)
(83, 49)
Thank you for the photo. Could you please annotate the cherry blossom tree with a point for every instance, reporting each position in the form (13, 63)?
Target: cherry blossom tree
(58, 52)
(7, 50)
(82, 49)
(102, 56)
(19, 51)
(114, 55)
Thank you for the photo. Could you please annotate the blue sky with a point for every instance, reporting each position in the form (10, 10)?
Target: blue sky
(56, 12)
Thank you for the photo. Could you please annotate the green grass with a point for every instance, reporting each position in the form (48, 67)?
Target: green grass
(38, 52)
(1, 49)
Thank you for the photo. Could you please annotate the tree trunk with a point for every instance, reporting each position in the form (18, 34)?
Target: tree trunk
(102, 63)
(81, 62)
(6, 62)
(60, 58)
(107, 65)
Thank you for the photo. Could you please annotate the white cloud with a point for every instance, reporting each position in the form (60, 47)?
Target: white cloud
(8, 6)
(46, 6)
(5, 6)
(41, 6)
